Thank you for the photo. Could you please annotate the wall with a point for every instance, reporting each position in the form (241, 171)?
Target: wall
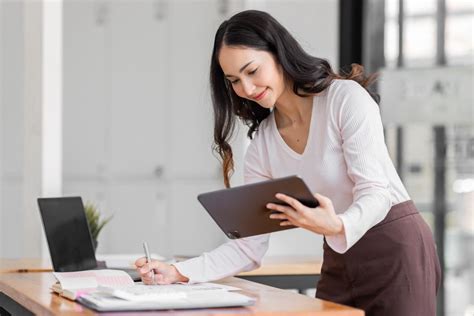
(137, 117)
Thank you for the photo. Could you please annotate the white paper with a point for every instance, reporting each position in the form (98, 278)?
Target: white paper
(142, 292)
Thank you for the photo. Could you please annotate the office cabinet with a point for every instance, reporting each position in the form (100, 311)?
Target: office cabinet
(191, 230)
(192, 27)
(110, 120)
(137, 111)
(140, 213)
(84, 97)
(193, 168)
(138, 120)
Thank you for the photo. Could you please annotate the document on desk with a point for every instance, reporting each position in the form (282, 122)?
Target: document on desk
(74, 284)
(159, 297)
(142, 292)
(114, 290)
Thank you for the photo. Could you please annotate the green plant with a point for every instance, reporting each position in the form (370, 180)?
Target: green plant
(96, 223)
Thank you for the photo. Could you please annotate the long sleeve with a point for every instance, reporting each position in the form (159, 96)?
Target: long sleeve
(234, 256)
(365, 153)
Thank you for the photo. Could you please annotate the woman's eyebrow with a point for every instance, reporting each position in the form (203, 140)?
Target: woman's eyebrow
(242, 68)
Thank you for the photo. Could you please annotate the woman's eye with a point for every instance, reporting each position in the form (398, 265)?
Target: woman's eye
(253, 71)
(234, 81)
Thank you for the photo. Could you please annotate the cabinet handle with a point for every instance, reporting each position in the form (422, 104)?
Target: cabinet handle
(160, 9)
(101, 14)
(223, 7)
(159, 171)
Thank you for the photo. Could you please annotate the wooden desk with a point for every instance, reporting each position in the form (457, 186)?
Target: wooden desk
(32, 291)
(25, 265)
(284, 272)
(276, 265)
(287, 272)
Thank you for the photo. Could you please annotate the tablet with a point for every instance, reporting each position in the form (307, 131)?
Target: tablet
(242, 212)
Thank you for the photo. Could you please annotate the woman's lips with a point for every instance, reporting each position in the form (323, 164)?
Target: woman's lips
(261, 95)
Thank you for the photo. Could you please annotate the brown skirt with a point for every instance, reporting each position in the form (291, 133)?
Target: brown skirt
(392, 270)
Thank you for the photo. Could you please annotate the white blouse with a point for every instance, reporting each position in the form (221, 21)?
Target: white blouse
(345, 159)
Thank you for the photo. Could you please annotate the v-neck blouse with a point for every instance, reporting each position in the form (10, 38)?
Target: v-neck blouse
(345, 159)
(279, 138)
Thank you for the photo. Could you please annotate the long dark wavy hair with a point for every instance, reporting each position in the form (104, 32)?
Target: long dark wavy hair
(309, 75)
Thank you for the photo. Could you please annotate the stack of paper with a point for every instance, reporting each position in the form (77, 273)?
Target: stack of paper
(114, 290)
(173, 296)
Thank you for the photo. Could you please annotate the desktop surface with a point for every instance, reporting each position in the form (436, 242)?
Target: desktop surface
(271, 265)
(33, 291)
(9, 265)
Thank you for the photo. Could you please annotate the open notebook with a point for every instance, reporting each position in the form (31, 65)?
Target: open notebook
(114, 290)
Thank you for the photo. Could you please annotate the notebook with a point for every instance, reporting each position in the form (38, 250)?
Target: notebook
(67, 233)
(74, 284)
(114, 290)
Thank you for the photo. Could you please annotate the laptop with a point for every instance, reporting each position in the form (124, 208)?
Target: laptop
(68, 236)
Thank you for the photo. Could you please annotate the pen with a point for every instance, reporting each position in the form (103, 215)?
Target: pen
(148, 260)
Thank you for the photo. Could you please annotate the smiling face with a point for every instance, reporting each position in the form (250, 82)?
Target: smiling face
(253, 74)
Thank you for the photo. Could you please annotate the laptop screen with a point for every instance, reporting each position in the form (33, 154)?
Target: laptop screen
(67, 233)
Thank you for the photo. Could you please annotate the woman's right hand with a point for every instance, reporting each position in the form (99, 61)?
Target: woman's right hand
(163, 273)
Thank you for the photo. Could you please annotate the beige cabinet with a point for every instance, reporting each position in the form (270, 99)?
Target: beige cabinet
(137, 120)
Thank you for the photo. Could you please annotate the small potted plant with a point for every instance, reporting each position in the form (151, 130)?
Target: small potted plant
(96, 223)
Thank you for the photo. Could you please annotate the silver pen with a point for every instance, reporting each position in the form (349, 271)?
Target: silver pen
(148, 260)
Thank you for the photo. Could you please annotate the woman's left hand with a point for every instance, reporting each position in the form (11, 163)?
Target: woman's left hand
(321, 220)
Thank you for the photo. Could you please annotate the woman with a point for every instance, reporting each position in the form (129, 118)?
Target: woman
(379, 255)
